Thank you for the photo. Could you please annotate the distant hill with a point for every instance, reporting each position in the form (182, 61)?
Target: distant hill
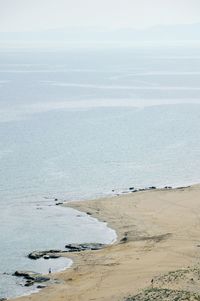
(157, 33)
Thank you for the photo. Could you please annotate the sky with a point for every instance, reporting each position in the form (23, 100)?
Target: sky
(38, 15)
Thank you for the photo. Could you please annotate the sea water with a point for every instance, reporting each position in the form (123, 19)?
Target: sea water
(79, 123)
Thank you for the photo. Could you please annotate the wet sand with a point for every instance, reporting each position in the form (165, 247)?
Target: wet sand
(158, 232)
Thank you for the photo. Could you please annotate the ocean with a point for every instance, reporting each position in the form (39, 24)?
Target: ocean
(79, 123)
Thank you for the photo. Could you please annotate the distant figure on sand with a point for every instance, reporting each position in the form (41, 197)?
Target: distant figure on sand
(49, 270)
(152, 282)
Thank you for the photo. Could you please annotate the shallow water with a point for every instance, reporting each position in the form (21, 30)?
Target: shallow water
(77, 124)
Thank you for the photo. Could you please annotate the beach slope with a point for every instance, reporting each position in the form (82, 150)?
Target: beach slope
(158, 249)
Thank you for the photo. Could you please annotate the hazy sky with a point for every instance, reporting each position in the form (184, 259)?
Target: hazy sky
(24, 15)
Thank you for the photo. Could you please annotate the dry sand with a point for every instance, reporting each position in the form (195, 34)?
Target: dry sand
(160, 233)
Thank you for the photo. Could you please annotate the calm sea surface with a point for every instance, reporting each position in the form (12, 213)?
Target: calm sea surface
(75, 124)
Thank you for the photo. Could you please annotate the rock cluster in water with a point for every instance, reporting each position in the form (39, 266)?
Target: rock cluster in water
(133, 189)
(44, 254)
(31, 277)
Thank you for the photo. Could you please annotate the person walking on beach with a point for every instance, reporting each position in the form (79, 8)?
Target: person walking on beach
(49, 270)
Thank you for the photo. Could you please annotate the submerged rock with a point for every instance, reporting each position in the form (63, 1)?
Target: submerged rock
(41, 279)
(41, 286)
(53, 256)
(29, 283)
(83, 247)
(152, 187)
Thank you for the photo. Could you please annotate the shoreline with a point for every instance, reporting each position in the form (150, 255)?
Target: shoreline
(158, 232)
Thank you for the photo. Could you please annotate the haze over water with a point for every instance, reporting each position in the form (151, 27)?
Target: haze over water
(75, 124)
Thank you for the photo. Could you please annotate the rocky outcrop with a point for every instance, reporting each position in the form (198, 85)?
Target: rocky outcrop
(53, 254)
(31, 277)
(44, 254)
(83, 247)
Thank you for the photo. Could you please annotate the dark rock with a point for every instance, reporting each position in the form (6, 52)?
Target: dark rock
(124, 239)
(89, 213)
(25, 274)
(168, 187)
(55, 200)
(131, 188)
(30, 277)
(135, 190)
(152, 187)
(29, 283)
(41, 286)
(60, 203)
(83, 247)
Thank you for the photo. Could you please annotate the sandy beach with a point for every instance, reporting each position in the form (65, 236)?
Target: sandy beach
(158, 249)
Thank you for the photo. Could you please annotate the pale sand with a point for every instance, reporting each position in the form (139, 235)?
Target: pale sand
(163, 234)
